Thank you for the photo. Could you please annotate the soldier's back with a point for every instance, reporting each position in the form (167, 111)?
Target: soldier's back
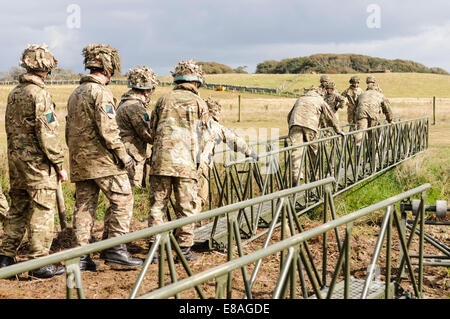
(306, 112)
(89, 152)
(133, 120)
(369, 104)
(28, 164)
(177, 133)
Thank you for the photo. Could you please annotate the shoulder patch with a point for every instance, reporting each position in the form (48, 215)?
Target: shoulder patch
(147, 118)
(50, 117)
(109, 109)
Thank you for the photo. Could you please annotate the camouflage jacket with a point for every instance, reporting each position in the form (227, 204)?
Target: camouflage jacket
(308, 110)
(177, 124)
(371, 103)
(335, 101)
(92, 134)
(35, 152)
(321, 90)
(133, 119)
(216, 134)
(375, 87)
(352, 94)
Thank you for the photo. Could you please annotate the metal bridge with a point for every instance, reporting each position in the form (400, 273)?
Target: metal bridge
(383, 147)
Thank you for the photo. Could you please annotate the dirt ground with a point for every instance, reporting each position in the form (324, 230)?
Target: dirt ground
(110, 283)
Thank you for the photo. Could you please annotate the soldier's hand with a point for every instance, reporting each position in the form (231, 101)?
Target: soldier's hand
(341, 133)
(254, 156)
(62, 176)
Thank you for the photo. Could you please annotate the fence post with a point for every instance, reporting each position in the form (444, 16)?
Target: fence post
(434, 110)
(239, 106)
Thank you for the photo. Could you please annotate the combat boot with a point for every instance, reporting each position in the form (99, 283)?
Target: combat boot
(119, 256)
(188, 254)
(48, 271)
(86, 263)
(6, 261)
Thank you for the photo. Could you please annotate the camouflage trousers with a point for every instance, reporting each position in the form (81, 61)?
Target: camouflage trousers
(117, 218)
(136, 174)
(32, 211)
(186, 204)
(363, 124)
(4, 207)
(202, 192)
(351, 114)
(299, 135)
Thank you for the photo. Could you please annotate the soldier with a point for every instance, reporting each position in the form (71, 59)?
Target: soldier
(370, 104)
(177, 123)
(334, 100)
(4, 207)
(134, 120)
(352, 93)
(35, 159)
(374, 86)
(98, 158)
(324, 79)
(213, 136)
(303, 120)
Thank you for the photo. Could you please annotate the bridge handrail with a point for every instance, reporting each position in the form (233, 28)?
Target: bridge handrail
(288, 148)
(151, 231)
(288, 243)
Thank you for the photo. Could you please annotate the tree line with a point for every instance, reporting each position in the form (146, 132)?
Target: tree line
(342, 63)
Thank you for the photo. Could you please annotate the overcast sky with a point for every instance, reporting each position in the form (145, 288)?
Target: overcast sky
(159, 33)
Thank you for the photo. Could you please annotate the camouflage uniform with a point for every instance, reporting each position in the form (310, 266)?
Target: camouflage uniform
(176, 124)
(304, 120)
(370, 104)
(4, 206)
(34, 157)
(334, 100)
(352, 93)
(97, 159)
(321, 89)
(133, 119)
(214, 135)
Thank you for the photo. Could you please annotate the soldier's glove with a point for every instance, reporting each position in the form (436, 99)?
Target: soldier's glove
(254, 156)
(341, 133)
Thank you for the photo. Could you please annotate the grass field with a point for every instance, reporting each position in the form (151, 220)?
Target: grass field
(412, 85)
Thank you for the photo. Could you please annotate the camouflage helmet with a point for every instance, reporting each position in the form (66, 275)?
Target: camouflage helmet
(354, 79)
(370, 79)
(102, 56)
(214, 108)
(142, 78)
(324, 78)
(330, 85)
(38, 58)
(188, 71)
